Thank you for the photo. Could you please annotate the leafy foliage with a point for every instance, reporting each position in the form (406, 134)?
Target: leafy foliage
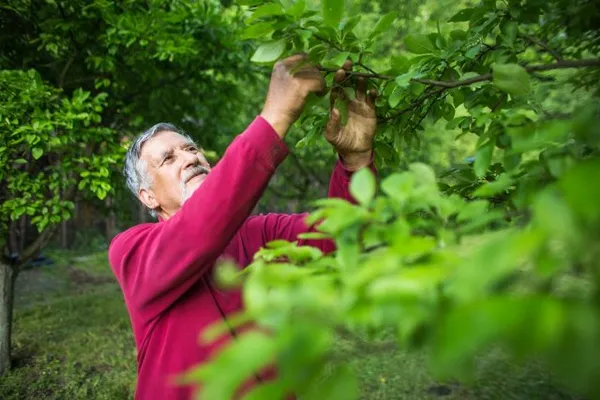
(79, 79)
(37, 131)
(493, 251)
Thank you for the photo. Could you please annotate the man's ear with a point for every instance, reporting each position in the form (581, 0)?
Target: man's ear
(147, 198)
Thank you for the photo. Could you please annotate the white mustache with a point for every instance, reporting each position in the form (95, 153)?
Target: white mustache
(195, 171)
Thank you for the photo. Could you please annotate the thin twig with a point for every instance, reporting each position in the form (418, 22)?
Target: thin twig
(373, 75)
(484, 77)
(365, 67)
(544, 46)
(321, 38)
(63, 74)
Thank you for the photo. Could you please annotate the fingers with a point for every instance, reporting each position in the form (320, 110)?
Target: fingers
(334, 123)
(295, 59)
(361, 89)
(341, 76)
(315, 82)
(372, 97)
(337, 93)
(335, 119)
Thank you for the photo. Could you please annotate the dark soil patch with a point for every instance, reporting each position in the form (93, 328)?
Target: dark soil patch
(23, 357)
(80, 277)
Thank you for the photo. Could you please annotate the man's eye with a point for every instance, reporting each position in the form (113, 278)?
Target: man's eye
(192, 149)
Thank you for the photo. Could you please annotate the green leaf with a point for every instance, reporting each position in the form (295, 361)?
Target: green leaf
(313, 236)
(37, 152)
(337, 60)
(317, 53)
(217, 329)
(403, 80)
(383, 24)
(269, 52)
(462, 15)
(525, 324)
(581, 191)
(510, 31)
(260, 30)
(362, 186)
(266, 10)
(472, 52)
(399, 64)
(483, 158)
(269, 390)
(297, 9)
(473, 209)
(332, 10)
(396, 96)
(419, 44)
(350, 24)
(501, 184)
(245, 355)
(398, 186)
(511, 78)
(458, 35)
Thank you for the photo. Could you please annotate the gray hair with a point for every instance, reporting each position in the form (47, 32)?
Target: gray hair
(135, 169)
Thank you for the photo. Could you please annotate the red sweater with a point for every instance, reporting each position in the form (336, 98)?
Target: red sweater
(164, 269)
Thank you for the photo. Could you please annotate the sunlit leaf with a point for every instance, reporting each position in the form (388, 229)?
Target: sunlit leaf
(483, 158)
(37, 152)
(266, 10)
(384, 24)
(269, 52)
(418, 44)
(332, 11)
(462, 15)
(511, 78)
(362, 186)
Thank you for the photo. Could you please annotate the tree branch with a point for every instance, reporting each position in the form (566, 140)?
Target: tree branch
(39, 242)
(361, 74)
(544, 46)
(63, 74)
(589, 63)
(321, 38)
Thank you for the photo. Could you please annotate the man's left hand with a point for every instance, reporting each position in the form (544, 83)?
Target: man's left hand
(353, 141)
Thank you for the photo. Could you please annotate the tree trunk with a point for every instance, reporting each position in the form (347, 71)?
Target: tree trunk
(110, 220)
(64, 238)
(7, 287)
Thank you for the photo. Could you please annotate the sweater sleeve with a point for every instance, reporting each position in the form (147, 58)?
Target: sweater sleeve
(262, 229)
(157, 263)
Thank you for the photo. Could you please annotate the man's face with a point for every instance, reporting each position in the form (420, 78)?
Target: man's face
(176, 169)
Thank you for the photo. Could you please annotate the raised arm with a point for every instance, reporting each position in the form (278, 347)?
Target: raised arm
(353, 142)
(157, 263)
(261, 229)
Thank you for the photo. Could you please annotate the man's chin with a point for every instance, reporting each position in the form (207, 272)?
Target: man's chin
(191, 187)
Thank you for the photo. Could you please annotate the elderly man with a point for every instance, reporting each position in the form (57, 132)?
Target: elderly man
(164, 268)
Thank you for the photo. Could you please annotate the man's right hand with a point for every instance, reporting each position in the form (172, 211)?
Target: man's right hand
(292, 80)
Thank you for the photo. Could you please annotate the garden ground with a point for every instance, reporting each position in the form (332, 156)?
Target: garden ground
(72, 340)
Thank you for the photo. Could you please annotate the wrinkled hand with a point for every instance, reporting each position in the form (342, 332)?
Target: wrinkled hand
(353, 141)
(292, 80)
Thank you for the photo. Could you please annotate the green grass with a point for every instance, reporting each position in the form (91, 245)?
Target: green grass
(71, 336)
(72, 340)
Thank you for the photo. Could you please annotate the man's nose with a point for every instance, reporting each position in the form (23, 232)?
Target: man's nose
(189, 159)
